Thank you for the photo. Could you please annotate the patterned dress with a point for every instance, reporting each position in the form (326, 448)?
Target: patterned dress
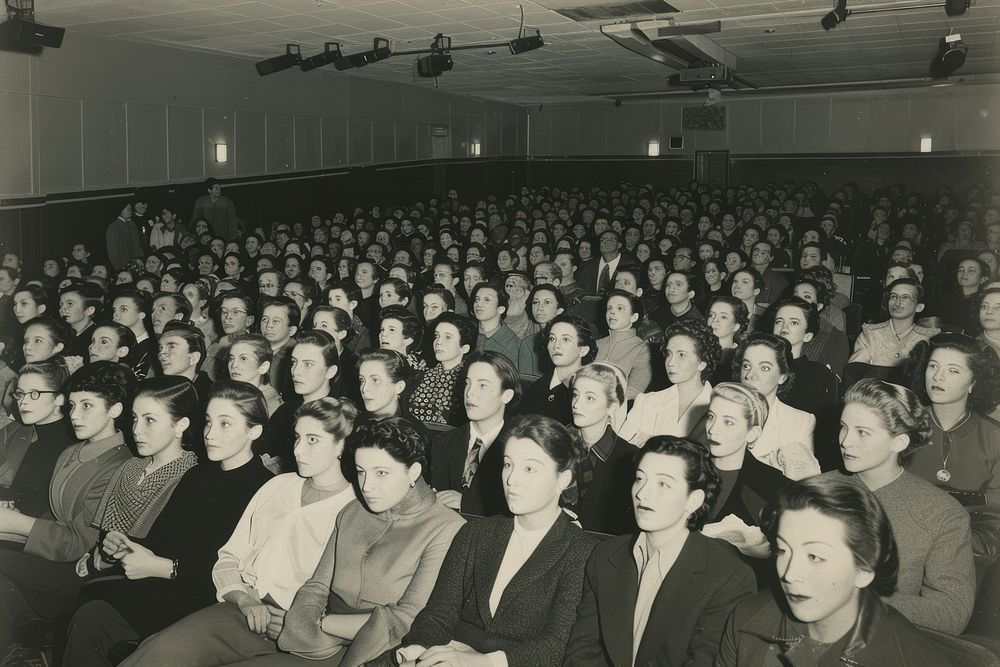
(435, 397)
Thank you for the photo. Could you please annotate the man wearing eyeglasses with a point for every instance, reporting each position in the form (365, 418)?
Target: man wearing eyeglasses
(888, 343)
(236, 315)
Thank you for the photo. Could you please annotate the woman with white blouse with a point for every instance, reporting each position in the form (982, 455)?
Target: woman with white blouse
(272, 552)
(690, 352)
(764, 362)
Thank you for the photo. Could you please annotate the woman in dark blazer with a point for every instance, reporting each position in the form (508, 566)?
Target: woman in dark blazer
(672, 609)
(511, 586)
(603, 500)
(570, 345)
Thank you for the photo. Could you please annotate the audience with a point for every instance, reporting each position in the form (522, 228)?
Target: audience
(554, 339)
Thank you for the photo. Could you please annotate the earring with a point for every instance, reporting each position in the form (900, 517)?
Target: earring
(412, 484)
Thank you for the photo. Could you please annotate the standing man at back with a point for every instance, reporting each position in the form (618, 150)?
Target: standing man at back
(218, 210)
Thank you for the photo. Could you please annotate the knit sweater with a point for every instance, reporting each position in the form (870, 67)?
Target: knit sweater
(384, 564)
(937, 580)
(630, 353)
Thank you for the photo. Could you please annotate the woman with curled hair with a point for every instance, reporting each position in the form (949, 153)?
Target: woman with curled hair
(397, 534)
(835, 556)
(959, 381)
(764, 362)
(602, 502)
(527, 569)
(729, 320)
(570, 344)
(172, 563)
(400, 330)
(272, 551)
(691, 352)
(882, 425)
(624, 617)
(545, 303)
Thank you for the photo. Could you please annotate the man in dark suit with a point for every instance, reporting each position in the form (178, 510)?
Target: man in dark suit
(596, 276)
(465, 464)
(661, 597)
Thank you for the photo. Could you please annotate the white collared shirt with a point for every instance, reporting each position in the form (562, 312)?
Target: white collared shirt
(612, 267)
(487, 438)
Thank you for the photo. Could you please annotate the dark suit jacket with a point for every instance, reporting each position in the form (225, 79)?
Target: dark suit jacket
(606, 507)
(688, 615)
(537, 609)
(484, 497)
(539, 399)
(587, 276)
(754, 479)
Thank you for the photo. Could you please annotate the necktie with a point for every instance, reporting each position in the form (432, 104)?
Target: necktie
(472, 463)
(604, 280)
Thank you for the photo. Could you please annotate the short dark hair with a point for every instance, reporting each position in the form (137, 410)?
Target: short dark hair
(395, 436)
(396, 366)
(411, 325)
(699, 470)
(584, 334)
(176, 393)
(635, 303)
(913, 282)
(558, 442)
(181, 304)
(503, 299)
(468, 329)
(292, 311)
(503, 367)
(58, 328)
(982, 361)
(444, 294)
(782, 352)
(192, 335)
(246, 397)
(706, 343)
(113, 382)
(324, 342)
(867, 530)
(808, 309)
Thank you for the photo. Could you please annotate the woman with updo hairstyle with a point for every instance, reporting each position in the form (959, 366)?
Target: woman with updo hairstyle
(272, 551)
(882, 424)
(172, 563)
(622, 346)
(382, 379)
(603, 498)
(337, 322)
(250, 358)
(690, 352)
(836, 562)
(396, 533)
(570, 345)
(729, 320)
(764, 362)
(30, 445)
(529, 566)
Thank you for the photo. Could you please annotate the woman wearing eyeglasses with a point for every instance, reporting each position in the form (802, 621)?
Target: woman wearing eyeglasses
(29, 448)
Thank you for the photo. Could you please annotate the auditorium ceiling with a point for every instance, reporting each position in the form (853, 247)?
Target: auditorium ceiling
(772, 45)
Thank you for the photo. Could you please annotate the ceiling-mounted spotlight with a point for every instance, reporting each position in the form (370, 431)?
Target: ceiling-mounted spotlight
(950, 56)
(529, 43)
(381, 51)
(836, 17)
(331, 54)
(434, 65)
(956, 7)
(292, 57)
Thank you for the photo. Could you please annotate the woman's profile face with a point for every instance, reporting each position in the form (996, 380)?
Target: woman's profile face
(722, 320)
(590, 403)
(153, 427)
(383, 480)
(244, 366)
(726, 427)
(865, 442)
(816, 567)
(761, 371)
(316, 451)
(948, 378)
(227, 433)
(378, 391)
(309, 370)
(531, 479)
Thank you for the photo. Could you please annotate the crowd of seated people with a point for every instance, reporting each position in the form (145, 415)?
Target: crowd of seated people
(636, 425)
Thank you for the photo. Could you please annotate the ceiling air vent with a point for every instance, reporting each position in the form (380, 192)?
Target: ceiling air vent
(605, 12)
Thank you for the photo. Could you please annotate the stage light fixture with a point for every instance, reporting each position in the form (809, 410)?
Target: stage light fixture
(956, 7)
(836, 17)
(950, 56)
(434, 65)
(529, 43)
(381, 51)
(292, 57)
(331, 54)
